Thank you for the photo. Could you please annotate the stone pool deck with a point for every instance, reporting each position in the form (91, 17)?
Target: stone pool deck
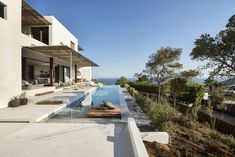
(22, 135)
(64, 139)
(35, 113)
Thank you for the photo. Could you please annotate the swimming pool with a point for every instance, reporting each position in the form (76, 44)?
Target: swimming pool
(76, 110)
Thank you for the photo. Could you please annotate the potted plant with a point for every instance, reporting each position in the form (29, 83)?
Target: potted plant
(15, 102)
(23, 99)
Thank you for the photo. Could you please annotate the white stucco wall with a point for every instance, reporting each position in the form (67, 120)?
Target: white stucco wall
(11, 42)
(10, 52)
(86, 72)
(59, 34)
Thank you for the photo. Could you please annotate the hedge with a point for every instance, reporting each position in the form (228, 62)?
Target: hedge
(149, 88)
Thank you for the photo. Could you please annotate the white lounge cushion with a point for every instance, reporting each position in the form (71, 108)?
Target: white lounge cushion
(108, 104)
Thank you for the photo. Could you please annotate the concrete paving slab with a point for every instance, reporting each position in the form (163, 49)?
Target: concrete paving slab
(35, 113)
(65, 140)
(160, 137)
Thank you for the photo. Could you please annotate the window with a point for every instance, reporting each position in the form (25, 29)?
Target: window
(41, 34)
(3, 10)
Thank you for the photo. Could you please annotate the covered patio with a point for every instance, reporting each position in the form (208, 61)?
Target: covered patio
(47, 65)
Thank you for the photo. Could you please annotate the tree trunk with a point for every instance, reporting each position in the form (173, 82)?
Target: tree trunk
(174, 102)
(159, 92)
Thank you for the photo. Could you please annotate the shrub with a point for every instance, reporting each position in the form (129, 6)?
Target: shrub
(169, 127)
(229, 140)
(194, 136)
(161, 114)
(185, 121)
(214, 135)
(230, 96)
(126, 86)
(144, 102)
(178, 154)
(217, 98)
(194, 93)
(122, 81)
(131, 91)
(149, 88)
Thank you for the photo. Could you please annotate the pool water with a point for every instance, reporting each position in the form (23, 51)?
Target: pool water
(110, 93)
(77, 109)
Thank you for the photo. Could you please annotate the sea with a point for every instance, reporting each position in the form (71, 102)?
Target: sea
(111, 81)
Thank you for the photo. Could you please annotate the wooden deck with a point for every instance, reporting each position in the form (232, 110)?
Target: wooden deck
(96, 112)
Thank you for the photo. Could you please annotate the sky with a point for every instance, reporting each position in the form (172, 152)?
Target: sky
(120, 35)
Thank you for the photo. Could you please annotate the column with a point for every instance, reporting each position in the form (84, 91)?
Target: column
(76, 70)
(71, 67)
(51, 71)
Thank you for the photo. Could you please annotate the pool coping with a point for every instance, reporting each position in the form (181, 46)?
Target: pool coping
(124, 108)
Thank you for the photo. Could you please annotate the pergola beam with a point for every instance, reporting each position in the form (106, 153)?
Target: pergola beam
(64, 53)
(31, 17)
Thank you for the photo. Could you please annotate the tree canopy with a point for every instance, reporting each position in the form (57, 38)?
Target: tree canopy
(122, 81)
(143, 78)
(189, 74)
(162, 65)
(218, 51)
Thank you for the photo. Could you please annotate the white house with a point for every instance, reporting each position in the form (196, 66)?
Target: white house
(36, 48)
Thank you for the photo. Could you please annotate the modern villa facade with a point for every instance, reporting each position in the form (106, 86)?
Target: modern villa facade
(37, 49)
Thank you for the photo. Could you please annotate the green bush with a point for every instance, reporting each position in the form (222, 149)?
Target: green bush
(144, 102)
(230, 96)
(185, 121)
(229, 140)
(126, 86)
(149, 88)
(217, 99)
(194, 136)
(194, 93)
(161, 114)
(170, 128)
(122, 81)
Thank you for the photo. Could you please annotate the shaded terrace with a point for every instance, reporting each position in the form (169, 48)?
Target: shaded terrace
(53, 57)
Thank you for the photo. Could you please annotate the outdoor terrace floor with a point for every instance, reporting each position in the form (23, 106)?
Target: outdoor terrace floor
(64, 139)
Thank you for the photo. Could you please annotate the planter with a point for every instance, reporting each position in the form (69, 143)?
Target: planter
(14, 103)
(23, 101)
